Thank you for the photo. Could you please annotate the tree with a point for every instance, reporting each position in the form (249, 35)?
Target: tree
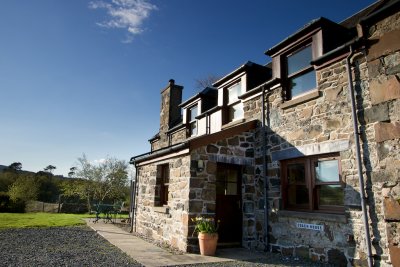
(72, 171)
(208, 81)
(50, 168)
(103, 181)
(16, 166)
(24, 188)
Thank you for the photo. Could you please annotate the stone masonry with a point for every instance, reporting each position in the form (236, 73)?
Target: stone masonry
(326, 119)
(318, 124)
(238, 150)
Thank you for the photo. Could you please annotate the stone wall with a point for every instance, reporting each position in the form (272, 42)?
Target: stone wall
(327, 119)
(237, 150)
(382, 120)
(169, 223)
(314, 123)
(320, 124)
(178, 136)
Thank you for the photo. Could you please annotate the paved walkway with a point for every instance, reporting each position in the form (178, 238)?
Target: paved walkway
(151, 255)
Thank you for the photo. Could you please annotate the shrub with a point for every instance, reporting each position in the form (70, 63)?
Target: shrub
(7, 205)
(205, 225)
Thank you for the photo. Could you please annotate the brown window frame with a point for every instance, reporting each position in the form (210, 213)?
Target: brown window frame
(313, 187)
(289, 77)
(162, 185)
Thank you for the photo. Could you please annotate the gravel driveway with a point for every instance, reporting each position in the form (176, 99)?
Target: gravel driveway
(80, 246)
(59, 246)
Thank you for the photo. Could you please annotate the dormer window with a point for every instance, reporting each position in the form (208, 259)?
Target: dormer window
(234, 105)
(301, 76)
(192, 114)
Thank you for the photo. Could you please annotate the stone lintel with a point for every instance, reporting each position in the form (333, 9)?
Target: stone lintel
(231, 159)
(311, 149)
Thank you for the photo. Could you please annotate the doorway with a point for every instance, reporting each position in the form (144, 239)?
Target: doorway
(229, 204)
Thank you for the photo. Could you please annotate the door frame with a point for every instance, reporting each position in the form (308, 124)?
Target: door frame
(239, 170)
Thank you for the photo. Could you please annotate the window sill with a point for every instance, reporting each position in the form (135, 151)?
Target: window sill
(304, 98)
(163, 209)
(232, 123)
(341, 218)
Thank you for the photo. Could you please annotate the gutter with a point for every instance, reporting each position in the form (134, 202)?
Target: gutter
(326, 56)
(389, 7)
(264, 172)
(160, 152)
(133, 198)
(258, 88)
(358, 155)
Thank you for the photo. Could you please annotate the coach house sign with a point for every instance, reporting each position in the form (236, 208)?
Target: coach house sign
(315, 227)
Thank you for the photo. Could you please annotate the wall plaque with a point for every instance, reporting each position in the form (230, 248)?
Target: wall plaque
(315, 227)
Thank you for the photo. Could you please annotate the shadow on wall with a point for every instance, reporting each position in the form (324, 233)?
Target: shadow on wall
(344, 241)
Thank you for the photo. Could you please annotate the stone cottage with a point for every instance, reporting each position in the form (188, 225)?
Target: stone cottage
(299, 156)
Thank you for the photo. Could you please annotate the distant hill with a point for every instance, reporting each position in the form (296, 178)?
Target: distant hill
(2, 167)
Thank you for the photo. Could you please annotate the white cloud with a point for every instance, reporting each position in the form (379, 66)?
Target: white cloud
(125, 14)
(99, 161)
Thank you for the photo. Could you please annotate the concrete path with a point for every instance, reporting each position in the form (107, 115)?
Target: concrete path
(151, 255)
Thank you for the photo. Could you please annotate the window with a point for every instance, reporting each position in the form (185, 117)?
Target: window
(162, 184)
(313, 184)
(192, 114)
(301, 75)
(234, 105)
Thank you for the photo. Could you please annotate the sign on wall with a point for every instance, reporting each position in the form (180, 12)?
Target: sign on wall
(315, 227)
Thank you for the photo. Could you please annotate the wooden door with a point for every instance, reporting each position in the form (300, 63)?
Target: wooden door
(229, 204)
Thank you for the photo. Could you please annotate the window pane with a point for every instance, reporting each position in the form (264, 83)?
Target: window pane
(297, 195)
(193, 128)
(234, 92)
(299, 60)
(193, 112)
(296, 173)
(327, 171)
(303, 83)
(236, 112)
(331, 195)
(231, 189)
(232, 176)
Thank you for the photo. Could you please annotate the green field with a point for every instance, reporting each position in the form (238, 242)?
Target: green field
(23, 220)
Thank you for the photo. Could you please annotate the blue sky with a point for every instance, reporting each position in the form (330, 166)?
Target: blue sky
(85, 76)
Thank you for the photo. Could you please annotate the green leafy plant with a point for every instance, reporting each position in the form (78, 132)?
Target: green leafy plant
(205, 225)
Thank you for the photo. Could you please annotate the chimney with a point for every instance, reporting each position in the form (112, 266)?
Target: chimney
(170, 114)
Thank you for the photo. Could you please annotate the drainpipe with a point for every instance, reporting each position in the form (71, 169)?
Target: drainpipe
(264, 171)
(358, 154)
(133, 197)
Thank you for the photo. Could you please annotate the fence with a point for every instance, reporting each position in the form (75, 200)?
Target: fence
(39, 206)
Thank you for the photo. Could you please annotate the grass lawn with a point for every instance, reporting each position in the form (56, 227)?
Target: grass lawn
(23, 220)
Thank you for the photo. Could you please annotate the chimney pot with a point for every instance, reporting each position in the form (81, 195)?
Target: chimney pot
(171, 81)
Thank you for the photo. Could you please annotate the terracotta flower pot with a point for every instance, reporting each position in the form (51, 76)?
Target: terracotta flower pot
(208, 243)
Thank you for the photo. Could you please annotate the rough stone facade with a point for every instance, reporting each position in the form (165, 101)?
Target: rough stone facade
(382, 121)
(320, 123)
(325, 119)
(167, 224)
(238, 150)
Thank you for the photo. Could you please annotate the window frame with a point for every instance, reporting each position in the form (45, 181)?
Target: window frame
(229, 105)
(311, 184)
(301, 72)
(162, 185)
(192, 121)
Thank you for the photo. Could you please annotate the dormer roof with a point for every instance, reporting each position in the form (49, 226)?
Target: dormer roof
(329, 26)
(248, 66)
(207, 92)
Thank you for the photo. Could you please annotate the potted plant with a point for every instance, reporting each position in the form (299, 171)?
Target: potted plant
(207, 230)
